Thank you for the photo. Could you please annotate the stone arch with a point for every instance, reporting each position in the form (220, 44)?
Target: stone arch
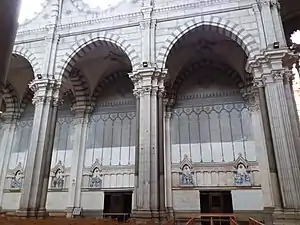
(29, 56)
(80, 85)
(27, 98)
(85, 45)
(11, 100)
(218, 24)
(187, 71)
(106, 81)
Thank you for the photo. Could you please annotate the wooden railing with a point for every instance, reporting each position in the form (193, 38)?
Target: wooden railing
(254, 222)
(213, 219)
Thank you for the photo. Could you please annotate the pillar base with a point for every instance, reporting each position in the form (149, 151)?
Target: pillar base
(286, 217)
(142, 215)
(170, 213)
(42, 213)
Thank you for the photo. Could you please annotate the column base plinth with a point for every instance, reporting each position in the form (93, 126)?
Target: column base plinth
(143, 215)
(286, 217)
(42, 213)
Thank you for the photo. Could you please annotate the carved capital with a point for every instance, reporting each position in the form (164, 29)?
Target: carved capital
(57, 101)
(145, 24)
(47, 84)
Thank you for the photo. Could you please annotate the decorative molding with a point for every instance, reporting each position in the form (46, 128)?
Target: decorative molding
(29, 56)
(225, 27)
(93, 41)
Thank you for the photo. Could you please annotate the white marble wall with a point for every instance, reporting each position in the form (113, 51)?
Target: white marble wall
(189, 200)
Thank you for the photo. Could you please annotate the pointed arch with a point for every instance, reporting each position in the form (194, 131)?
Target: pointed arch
(11, 100)
(85, 45)
(106, 81)
(210, 23)
(27, 99)
(80, 85)
(29, 56)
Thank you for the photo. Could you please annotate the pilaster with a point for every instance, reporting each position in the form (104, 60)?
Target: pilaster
(148, 28)
(264, 147)
(9, 128)
(268, 68)
(273, 29)
(149, 89)
(34, 192)
(82, 113)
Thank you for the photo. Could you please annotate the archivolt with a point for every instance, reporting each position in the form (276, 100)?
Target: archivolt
(106, 81)
(85, 45)
(173, 88)
(80, 85)
(218, 24)
(11, 100)
(29, 56)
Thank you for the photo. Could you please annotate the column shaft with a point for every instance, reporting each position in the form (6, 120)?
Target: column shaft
(284, 140)
(161, 152)
(168, 165)
(137, 153)
(150, 190)
(34, 192)
(264, 149)
(81, 127)
(9, 128)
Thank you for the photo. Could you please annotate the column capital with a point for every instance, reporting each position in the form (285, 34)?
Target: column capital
(81, 109)
(44, 84)
(267, 61)
(45, 91)
(251, 95)
(148, 81)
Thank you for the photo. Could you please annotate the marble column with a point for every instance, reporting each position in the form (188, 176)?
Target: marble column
(148, 84)
(268, 68)
(168, 164)
(82, 113)
(9, 14)
(137, 157)
(34, 192)
(9, 129)
(264, 147)
(284, 140)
